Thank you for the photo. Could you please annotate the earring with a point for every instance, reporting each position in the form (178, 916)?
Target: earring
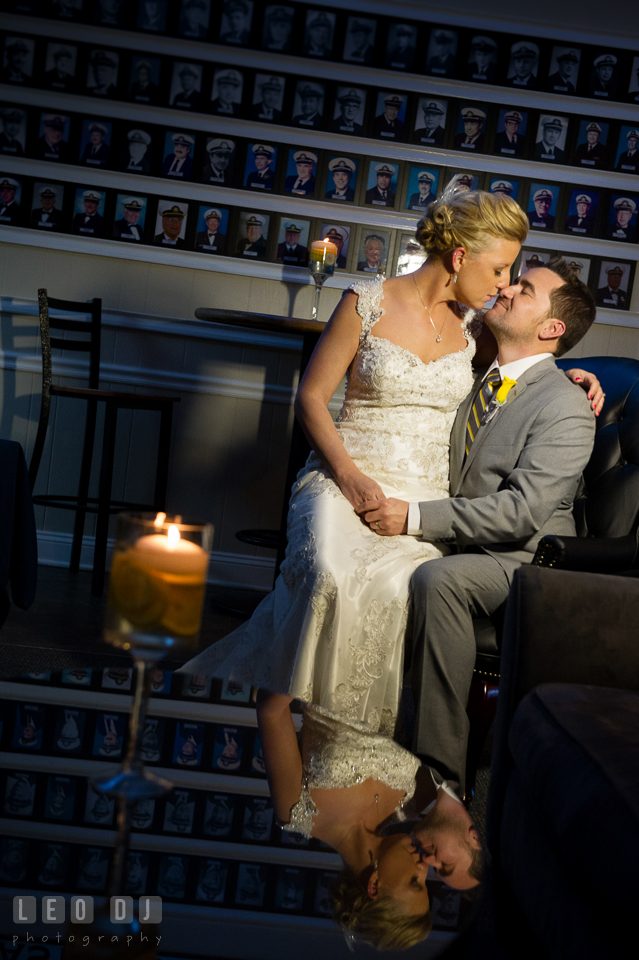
(376, 865)
(455, 279)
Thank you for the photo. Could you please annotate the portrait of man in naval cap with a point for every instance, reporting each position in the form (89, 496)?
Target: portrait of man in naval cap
(235, 26)
(622, 217)
(277, 28)
(109, 13)
(46, 206)
(308, 104)
(504, 186)
(10, 196)
(95, 142)
(194, 19)
(301, 168)
(17, 61)
(604, 76)
(430, 121)
(381, 183)
(53, 142)
(551, 138)
(422, 188)
(144, 79)
(268, 98)
(13, 130)
(633, 85)
(136, 150)
(372, 255)
(390, 113)
(171, 223)
(151, 15)
(340, 235)
(292, 241)
(178, 154)
(129, 217)
(88, 220)
(564, 69)
(259, 173)
(102, 73)
(628, 149)
(471, 124)
(348, 115)
(613, 285)
(60, 66)
(186, 85)
(482, 59)
(510, 139)
(253, 235)
(582, 211)
(592, 150)
(401, 45)
(319, 30)
(211, 229)
(219, 162)
(542, 206)
(523, 65)
(341, 178)
(359, 42)
(441, 54)
(410, 255)
(226, 92)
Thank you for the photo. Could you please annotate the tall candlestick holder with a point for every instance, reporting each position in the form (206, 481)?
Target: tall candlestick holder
(321, 266)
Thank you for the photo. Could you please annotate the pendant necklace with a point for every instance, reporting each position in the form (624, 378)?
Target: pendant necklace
(438, 336)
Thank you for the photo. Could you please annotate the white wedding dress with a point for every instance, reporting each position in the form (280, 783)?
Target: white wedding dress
(331, 633)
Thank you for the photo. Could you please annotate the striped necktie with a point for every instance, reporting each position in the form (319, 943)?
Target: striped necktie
(489, 387)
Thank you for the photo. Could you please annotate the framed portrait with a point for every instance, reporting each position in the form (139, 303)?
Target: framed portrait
(257, 759)
(13, 137)
(59, 801)
(212, 880)
(136, 871)
(28, 727)
(10, 199)
(95, 143)
(292, 241)
(237, 18)
(348, 113)
(341, 178)
(523, 65)
(17, 59)
(381, 183)
(579, 265)
(117, 678)
(389, 122)
(186, 85)
(189, 737)
(252, 236)
(581, 217)
(319, 31)
(60, 65)
(53, 866)
(290, 839)
(422, 188)
(161, 681)
(178, 154)
(512, 127)
(277, 28)
(68, 731)
(154, 727)
(219, 162)
(259, 170)
(529, 259)
(102, 73)
(308, 104)
(550, 143)
(301, 170)
(47, 206)
(137, 149)
(622, 217)
(19, 793)
(251, 884)
(88, 212)
(604, 75)
(179, 811)
(430, 121)
(268, 98)
(218, 815)
(151, 15)
(340, 235)
(592, 144)
(144, 79)
(542, 206)
(323, 901)
(232, 691)
(14, 860)
(441, 55)
(466, 179)
(142, 814)
(194, 19)
(359, 40)
(172, 876)
(229, 741)
(212, 229)
(109, 13)
(128, 224)
(93, 866)
(289, 891)
(483, 55)
(504, 187)
(410, 255)
(563, 73)
(65, 9)
(627, 156)
(226, 92)
(470, 135)
(401, 45)
(24, 6)
(98, 808)
(257, 819)
(373, 250)
(614, 284)
(633, 85)
(170, 231)
(109, 727)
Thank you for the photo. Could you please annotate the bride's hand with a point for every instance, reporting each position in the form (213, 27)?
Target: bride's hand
(589, 382)
(358, 488)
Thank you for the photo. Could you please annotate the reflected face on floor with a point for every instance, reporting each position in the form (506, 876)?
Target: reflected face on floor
(401, 874)
(448, 843)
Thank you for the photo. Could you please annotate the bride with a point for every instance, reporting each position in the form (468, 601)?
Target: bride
(331, 632)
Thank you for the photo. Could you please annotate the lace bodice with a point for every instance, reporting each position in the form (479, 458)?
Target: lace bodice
(339, 754)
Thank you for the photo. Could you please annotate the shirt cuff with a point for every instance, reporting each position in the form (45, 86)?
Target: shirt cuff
(414, 520)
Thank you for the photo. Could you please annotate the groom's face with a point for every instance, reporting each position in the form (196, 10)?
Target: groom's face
(448, 843)
(523, 308)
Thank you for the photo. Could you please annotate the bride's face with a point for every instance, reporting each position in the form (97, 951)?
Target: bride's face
(482, 276)
(401, 875)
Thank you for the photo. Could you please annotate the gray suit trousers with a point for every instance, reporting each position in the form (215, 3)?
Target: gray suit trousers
(445, 595)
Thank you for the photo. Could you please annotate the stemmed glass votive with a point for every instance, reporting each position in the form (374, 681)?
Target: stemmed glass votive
(321, 266)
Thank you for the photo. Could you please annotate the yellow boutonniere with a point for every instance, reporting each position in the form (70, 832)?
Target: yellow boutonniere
(506, 386)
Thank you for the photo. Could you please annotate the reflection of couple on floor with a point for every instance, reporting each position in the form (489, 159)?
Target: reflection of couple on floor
(331, 634)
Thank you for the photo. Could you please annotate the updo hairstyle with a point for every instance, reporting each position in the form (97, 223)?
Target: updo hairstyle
(466, 218)
(380, 922)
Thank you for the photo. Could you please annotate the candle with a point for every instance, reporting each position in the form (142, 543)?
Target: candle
(323, 251)
(170, 553)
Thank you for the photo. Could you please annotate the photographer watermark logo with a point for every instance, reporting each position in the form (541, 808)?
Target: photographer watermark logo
(80, 910)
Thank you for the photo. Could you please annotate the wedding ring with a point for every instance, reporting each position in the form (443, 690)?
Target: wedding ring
(376, 525)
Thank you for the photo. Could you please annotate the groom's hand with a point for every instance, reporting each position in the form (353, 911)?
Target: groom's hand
(388, 517)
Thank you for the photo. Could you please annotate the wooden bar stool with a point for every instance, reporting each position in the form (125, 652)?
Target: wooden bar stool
(82, 503)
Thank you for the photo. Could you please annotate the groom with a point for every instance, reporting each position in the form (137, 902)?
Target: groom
(518, 447)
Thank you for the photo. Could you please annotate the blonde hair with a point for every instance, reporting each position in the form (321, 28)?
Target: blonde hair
(379, 922)
(465, 218)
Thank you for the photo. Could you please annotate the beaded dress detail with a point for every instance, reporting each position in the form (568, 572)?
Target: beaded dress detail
(338, 754)
(331, 633)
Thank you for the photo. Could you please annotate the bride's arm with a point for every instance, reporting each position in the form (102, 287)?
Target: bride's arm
(280, 750)
(331, 359)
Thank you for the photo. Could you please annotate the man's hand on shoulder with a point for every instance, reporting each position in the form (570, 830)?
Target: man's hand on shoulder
(388, 517)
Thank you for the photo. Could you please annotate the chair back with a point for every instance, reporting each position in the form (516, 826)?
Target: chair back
(610, 504)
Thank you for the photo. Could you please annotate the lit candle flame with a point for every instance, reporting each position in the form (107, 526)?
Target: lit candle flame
(173, 536)
(159, 520)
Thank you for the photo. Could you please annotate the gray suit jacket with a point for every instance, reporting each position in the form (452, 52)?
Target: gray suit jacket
(523, 471)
